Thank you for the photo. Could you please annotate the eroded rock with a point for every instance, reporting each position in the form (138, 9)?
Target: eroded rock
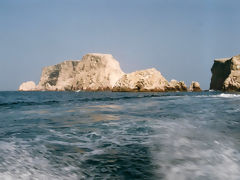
(144, 80)
(175, 85)
(195, 87)
(94, 72)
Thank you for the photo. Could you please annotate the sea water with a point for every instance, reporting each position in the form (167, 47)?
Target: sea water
(105, 135)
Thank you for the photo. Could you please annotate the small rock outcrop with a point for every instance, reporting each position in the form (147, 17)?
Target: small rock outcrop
(175, 85)
(226, 74)
(28, 86)
(93, 73)
(195, 87)
(144, 80)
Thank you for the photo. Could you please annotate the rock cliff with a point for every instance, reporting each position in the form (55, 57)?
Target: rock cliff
(226, 74)
(94, 72)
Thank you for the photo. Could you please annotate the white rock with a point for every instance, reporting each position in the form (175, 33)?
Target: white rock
(28, 86)
(175, 85)
(144, 80)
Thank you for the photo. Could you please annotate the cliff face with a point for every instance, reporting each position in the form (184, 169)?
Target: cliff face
(58, 77)
(94, 72)
(97, 72)
(226, 74)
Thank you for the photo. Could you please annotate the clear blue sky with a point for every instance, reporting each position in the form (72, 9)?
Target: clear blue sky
(178, 37)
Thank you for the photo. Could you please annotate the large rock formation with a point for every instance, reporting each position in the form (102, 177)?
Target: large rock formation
(149, 80)
(99, 72)
(195, 87)
(28, 86)
(94, 72)
(144, 80)
(226, 74)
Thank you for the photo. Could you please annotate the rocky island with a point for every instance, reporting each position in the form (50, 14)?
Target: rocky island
(226, 74)
(101, 72)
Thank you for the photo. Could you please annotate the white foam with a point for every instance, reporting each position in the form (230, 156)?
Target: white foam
(183, 155)
(229, 95)
(20, 163)
(222, 95)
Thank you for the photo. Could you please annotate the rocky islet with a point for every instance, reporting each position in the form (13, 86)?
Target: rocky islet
(101, 72)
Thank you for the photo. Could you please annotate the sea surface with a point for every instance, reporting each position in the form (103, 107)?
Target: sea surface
(105, 135)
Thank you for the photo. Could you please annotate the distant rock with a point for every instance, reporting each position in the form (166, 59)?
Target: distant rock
(226, 74)
(100, 72)
(144, 80)
(175, 85)
(195, 87)
(94, 72)
(28, 86)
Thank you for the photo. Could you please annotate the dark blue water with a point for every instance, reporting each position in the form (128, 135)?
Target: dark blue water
(104, 135)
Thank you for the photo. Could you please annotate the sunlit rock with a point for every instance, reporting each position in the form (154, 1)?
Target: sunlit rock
(175, 85)
(144, 80)
(94, 72)
(195, 87)
(28, 86)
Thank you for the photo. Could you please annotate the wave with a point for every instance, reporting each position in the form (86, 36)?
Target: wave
(25, 103)
(228, 95)
(108, 97)
(222, 95)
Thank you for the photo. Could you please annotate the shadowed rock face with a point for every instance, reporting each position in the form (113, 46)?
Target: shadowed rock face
(226, 74)
(59, 77)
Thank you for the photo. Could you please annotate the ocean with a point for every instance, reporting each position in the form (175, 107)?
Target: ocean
(105, 135)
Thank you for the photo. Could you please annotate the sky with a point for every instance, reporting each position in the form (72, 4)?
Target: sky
(179, 38)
